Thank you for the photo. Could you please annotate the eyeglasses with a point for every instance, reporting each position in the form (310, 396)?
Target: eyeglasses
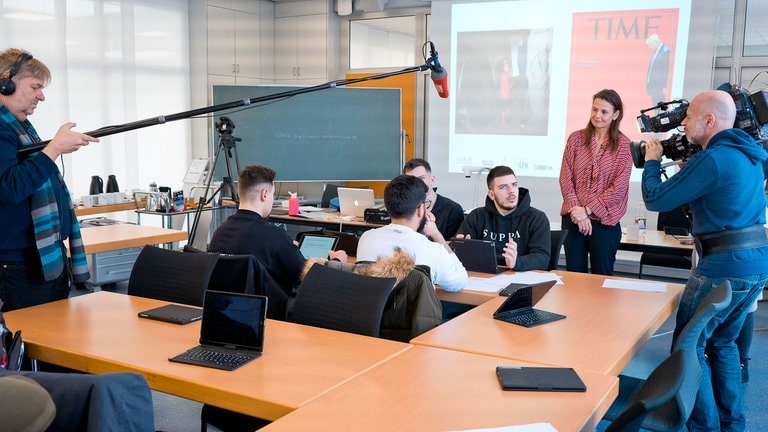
(427, 203)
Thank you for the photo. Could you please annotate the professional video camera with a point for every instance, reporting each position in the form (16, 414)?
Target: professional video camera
(751, 117)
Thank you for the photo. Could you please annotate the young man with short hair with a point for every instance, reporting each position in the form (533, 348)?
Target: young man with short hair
(413, 230)
(520, 232)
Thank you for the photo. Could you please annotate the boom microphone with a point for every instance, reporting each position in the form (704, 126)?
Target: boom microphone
(439, 75)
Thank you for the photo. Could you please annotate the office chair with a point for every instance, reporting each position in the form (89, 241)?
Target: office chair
(557, 242)
(675, 218)
(664, 401)
(330, 192)
(240, 273)
(245, 274)
(172, 276)
(340, 300)
(413, 307)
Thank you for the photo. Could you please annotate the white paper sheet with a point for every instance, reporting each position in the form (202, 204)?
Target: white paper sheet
(533, 427)
(496, 283)
(636, 286)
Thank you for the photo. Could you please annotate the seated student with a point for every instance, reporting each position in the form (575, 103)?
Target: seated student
(448, 214)
(521, 233)
(248, 232)
(413, 230)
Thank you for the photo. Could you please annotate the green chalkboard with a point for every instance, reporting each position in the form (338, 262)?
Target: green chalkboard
(334, 134)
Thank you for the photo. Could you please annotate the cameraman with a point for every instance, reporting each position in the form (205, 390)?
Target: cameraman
(724, 185)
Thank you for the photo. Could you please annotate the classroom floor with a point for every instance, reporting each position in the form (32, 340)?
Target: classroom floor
(174, 414)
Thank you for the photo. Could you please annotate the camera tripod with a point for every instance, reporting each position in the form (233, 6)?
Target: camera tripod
(228, 146)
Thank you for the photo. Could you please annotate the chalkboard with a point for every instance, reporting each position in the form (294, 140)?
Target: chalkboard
(334, 134)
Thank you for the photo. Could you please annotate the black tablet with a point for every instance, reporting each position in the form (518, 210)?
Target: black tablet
(172, 313)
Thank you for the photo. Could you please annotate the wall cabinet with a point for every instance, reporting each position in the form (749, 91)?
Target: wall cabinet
(300, 48)
(233, 45)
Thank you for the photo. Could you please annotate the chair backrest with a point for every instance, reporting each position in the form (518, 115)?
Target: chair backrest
(330, 192)
(168, 275)
(413, 307)
(717, 299)
(659, 389)
(558, 240)
(244, 273)
(232, 273)
(673, 413)
(340, 300)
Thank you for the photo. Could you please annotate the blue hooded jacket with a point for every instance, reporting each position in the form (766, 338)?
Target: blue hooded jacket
(724, 186)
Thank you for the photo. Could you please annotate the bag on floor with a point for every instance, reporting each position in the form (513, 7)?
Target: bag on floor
(11, 346)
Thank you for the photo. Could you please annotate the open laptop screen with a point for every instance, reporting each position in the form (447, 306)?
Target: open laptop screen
(354, 201)
(233, 320)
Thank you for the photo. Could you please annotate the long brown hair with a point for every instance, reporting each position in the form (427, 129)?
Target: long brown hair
(613, 98)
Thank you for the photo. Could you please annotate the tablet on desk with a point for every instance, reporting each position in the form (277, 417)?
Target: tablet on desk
(559, 379)
(172, 313)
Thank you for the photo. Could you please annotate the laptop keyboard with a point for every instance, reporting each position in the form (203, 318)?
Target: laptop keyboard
(224, 360)
(532, 317)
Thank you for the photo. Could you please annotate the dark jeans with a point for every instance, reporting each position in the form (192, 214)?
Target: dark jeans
(598, 250)
(119, 402)
(22, 285)
(719, 401)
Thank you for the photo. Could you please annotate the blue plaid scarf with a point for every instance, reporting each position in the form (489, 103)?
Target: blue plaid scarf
(45, 216)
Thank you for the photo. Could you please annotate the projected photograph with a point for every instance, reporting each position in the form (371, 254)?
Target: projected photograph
(631, 51)
(502, 82)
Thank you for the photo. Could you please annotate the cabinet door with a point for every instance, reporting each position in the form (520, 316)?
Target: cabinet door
(285, 48)
(247, 44)
(311, 48)
(221, 41)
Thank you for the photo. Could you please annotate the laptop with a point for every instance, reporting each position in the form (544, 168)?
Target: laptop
(173, 313)
(231, 332)
(518, 306)
(540, 379)
(317, 245)
(354, 201)
(477, 255)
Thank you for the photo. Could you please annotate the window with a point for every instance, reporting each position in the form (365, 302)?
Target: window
(112, 62)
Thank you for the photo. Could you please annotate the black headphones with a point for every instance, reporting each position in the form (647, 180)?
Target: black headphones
(7, 86)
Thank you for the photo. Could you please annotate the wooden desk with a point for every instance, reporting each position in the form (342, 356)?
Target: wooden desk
(122, 236)
(327, 223)
(86, 211)
(430, 389)
(603, 330)
(101, 332)
(469, 297)
(654, 241)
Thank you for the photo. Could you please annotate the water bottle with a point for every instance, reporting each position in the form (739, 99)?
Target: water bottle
(293, 204)
(641, 217)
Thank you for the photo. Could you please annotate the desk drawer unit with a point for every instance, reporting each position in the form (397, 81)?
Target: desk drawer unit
(113, 266)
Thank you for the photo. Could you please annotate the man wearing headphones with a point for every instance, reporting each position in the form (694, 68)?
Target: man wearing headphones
(36, 211)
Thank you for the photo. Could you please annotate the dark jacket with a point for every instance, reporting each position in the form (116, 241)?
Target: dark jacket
(527, 226)
(413, 307)
(247, 233)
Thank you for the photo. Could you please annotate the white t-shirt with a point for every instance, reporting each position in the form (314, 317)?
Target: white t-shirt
(445, 268)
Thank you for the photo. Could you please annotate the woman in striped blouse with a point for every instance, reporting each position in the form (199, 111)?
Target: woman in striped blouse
(594, 182)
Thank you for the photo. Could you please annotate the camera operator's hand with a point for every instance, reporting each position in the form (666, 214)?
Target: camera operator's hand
(653, 150)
